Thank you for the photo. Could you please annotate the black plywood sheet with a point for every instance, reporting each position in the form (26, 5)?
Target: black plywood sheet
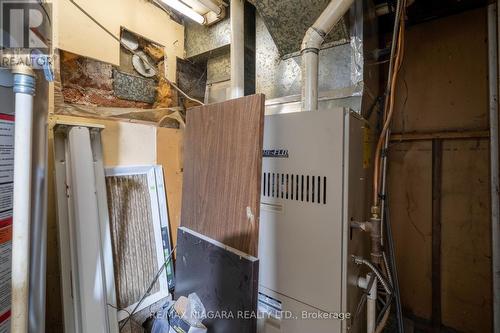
(225, 279)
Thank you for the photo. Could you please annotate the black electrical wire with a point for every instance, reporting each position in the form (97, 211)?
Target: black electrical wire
(363, 298)
(384, 309)
(132, 321)
(157, 276)
(400, 9)
(393, 268)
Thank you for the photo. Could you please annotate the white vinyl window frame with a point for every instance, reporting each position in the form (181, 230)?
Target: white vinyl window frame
(85, 249)
(85, 246)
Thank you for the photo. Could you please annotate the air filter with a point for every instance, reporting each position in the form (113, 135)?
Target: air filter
(137, 218)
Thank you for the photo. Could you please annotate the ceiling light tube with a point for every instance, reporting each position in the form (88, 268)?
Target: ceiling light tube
(211, 5)
(185, 10)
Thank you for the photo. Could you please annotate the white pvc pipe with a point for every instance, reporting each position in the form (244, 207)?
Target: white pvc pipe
(311, 44)
(371, 301)
(331, 15)
(371, 308)
(237, 48)
(310, 65)
(24, 89)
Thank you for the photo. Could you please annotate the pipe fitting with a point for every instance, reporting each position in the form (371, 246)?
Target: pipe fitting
(24, 84)
(24, 80)
(376, 235)
(364, 226)
(313, 39)
(375, 210)
(361, 261)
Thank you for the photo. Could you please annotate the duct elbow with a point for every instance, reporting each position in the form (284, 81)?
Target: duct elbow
(311, 44)
(313, 39)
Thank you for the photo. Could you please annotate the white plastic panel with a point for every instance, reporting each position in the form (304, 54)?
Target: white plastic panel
(87, 279)
(300, 244)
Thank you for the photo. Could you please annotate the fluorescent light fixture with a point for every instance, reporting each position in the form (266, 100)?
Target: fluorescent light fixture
(182, 8)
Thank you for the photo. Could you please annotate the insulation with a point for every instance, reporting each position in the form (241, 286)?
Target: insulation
(134, 88)
(132, 234)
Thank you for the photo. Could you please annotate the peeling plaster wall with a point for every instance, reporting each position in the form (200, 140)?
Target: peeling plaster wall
(77, 33)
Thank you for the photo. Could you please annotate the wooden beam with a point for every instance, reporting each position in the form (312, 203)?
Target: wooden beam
(437, 161)
(443, 135)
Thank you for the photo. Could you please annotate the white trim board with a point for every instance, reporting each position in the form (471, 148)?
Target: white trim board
(87, 278)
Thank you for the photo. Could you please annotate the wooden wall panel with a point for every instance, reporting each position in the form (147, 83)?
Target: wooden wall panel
(169, 155)
(444, 75)
(444, 87)
(222, 171)
(410, 193)
(466, 242)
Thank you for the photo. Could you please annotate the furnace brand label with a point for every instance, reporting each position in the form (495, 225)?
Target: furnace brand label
(280, 153)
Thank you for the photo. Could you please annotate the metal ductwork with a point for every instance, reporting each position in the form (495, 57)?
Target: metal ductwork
(288, 21)
(311, 44)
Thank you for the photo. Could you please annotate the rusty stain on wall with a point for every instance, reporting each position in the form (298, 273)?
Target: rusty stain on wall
(87, 81)
(90, 82)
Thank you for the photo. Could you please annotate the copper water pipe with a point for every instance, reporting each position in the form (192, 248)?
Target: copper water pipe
(389, 113)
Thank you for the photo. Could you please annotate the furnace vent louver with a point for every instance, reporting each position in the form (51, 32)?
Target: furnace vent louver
(296, 187)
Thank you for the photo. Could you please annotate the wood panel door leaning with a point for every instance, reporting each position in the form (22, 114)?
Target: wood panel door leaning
(222, 171)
